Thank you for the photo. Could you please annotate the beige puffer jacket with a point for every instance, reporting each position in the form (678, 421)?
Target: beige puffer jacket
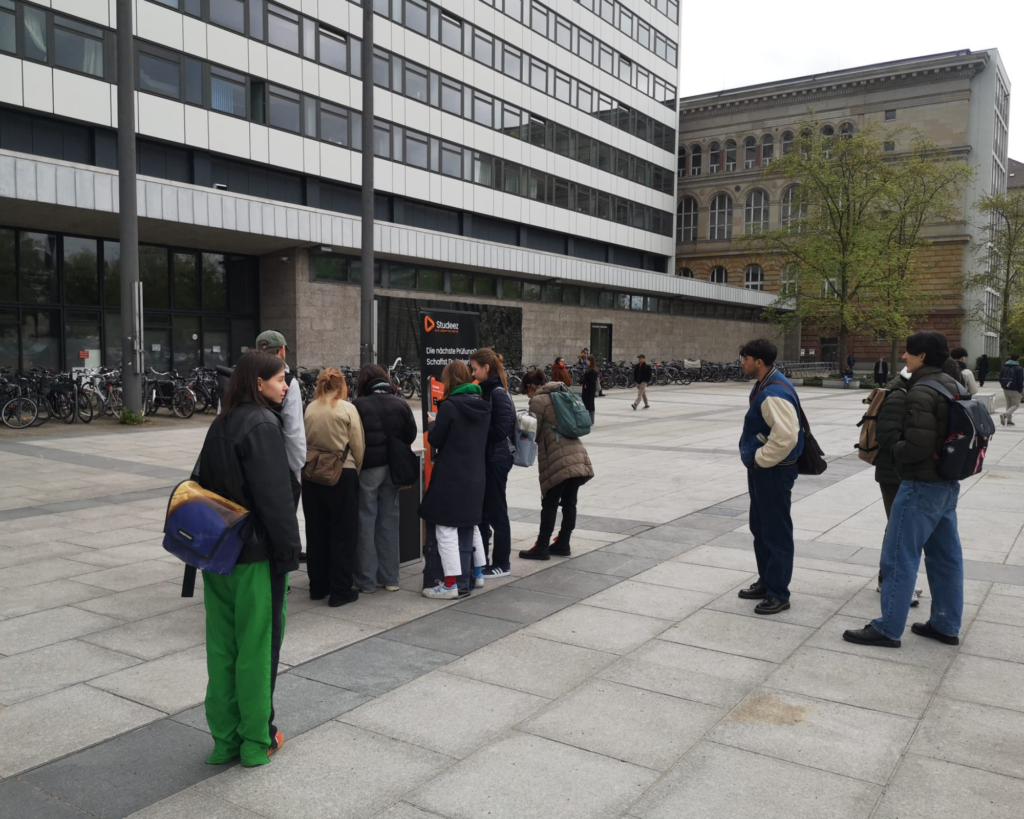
(559, 458)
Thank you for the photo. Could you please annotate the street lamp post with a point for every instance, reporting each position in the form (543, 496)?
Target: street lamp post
(366, 328)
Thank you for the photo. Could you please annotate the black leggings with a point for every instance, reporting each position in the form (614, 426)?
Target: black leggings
(332, 515)
(564, 495)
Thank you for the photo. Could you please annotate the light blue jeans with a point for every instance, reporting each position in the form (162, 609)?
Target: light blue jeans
(923, 519)
(377, 547)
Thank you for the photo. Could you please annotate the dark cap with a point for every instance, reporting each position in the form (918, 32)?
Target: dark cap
(270, 340)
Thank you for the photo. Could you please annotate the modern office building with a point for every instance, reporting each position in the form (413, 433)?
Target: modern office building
(525, 168)
(959, 100)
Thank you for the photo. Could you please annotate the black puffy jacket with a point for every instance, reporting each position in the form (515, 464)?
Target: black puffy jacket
(383, 414)
(244, 460)
(455, 496)
(503, 419)
(889, 430)
(925, 424)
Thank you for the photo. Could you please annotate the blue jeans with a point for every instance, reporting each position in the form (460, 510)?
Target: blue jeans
(923, 519)
(771, 497)
(495, 516)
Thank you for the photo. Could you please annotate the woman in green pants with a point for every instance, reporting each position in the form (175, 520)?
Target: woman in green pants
(244, 460)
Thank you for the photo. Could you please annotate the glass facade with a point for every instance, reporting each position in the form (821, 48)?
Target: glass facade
(60, 300)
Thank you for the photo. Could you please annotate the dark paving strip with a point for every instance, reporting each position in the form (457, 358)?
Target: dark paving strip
(595, 523)
(92, 461)
(89, 503)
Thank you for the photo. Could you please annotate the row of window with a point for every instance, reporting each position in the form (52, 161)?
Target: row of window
(314, 41)
(42, 36)
(720, 214)
(723, 156)
(340, 269)
(557, 29)
(753, 276)
(199, 83)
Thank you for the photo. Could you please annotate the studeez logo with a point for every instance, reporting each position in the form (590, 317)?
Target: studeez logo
(429, 325)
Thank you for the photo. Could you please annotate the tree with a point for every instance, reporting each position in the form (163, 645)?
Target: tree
(852, 227)
(1003, 233)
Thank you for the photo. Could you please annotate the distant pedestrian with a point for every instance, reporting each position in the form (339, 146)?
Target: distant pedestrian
(583, 356)
(332, 510)
(847, 377)
(881, 371)
(982, 370)
(564, 466)
(851, 362)
(488, 368)
(770, 444)
(388, 422)
(642, 374)
(1011, 379)
(923, 517)
(273, 342)
(559, 372)
(455, 498)
(959, 356)
(591, 384)
(244, 460)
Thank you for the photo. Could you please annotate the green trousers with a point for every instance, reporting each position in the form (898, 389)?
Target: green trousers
(245, 614)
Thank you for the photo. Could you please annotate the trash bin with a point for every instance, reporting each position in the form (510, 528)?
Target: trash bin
(410, 527)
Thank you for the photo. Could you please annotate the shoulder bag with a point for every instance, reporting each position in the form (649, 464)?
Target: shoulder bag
(812, 460)
(323, 466)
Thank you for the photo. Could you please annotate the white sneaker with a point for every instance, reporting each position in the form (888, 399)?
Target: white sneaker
(478, 582)
(439, 592)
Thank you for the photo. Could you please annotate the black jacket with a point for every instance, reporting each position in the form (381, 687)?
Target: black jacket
(383, 414)
(925, 424)
(642, 373)
(589, 389)
(455, 496)
(881, 371)
(244, 460)
(889, 430)
(503, 420)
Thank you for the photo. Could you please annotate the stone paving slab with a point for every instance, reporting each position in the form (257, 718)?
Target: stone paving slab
(926, 788)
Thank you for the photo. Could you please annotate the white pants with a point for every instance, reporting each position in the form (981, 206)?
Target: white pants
(448, 548)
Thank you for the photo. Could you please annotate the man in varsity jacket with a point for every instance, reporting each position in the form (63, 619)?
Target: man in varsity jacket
(770, 444)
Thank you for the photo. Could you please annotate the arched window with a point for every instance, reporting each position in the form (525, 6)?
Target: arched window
(714, 158)
(687, 219)
(753, 278)
(719, 275)
(684, 272)
(794, 209)
(695, 160)
(730, 155)
(720, 217)
(787, 142)
(755, 213)
(749, 153)
(681, 163)
(828, 132)
(846, 130)
(767, 149)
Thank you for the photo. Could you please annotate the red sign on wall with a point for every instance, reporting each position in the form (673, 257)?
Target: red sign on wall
(83, 353)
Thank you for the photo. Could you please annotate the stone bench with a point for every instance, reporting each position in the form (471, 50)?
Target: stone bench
(837, 383)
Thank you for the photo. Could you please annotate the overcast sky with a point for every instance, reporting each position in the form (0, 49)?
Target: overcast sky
(731, 44)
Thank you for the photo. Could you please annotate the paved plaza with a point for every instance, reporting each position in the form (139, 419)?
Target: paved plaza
(627, 681)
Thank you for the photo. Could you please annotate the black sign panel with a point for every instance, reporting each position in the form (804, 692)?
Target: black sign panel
(445, 336)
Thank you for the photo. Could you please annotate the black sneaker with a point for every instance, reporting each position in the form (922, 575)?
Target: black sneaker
(497, 571)
(928, 630)
(869, 636)
(558, 549)
(771, 605)
(302, 557)
(536, 553)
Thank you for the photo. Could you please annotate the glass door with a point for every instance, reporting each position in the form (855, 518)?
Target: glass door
(601, 341)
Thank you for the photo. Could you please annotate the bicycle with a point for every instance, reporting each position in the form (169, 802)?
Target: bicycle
(168, 390)
(18, 411)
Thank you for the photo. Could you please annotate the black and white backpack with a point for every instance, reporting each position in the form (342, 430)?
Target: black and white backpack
(963, 451)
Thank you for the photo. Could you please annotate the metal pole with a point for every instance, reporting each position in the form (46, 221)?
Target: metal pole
(366, 328)
(128, 221)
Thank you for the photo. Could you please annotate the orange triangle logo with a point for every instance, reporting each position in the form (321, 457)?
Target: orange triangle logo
(428, 323)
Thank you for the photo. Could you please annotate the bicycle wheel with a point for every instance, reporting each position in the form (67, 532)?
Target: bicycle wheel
(183, 403)
(409, 385)
(45, 411)
(685, 379)
(85, 408)
(515, 384)
(19, 413)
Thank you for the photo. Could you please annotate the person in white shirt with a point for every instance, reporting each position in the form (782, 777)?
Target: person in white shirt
(959, 354)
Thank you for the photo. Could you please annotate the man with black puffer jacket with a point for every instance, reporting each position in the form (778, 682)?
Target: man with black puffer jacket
(923, 517)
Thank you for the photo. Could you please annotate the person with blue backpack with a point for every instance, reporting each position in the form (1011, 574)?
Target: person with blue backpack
(563, 460)
(1011, 379)
(770, 444)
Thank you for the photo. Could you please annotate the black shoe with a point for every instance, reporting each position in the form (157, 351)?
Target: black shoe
(317, 596)
(771, 605)
(755, 592)
(928, 630)
(633, 406)
(342, 599)
(302, 557)
(536, 553)
(869, 636)
(560, 548)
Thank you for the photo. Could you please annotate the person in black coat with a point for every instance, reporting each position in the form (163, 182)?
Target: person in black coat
(244, 460)
(591, 382)
(881, 371)
(488, 368)
(385, 417)
(455, 497)
(982, 370)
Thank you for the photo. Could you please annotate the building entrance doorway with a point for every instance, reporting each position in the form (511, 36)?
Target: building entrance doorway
(601, 341)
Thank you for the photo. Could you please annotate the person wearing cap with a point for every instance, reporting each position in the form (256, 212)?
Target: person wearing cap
(642, 375)
(294, 427)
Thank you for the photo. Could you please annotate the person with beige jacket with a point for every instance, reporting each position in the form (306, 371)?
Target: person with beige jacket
(332, 512)
(564, 467)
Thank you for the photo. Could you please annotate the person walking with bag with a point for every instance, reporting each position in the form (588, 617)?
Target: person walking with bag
(488, 368)
(388, 427)
(591, 382)
(770, 444)
(1011, 379)
(923, 517)
(330, 489)
(244, 460)
(455, 498)
(642, 375)
(564, 467)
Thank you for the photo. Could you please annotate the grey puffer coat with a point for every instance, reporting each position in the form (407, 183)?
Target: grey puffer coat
(559, 458)
(925, 423)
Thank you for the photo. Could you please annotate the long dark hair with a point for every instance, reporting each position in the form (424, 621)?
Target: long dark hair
(370, 374)
(243, 386)
(592, 364)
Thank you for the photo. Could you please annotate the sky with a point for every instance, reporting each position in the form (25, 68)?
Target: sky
(745, 42)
